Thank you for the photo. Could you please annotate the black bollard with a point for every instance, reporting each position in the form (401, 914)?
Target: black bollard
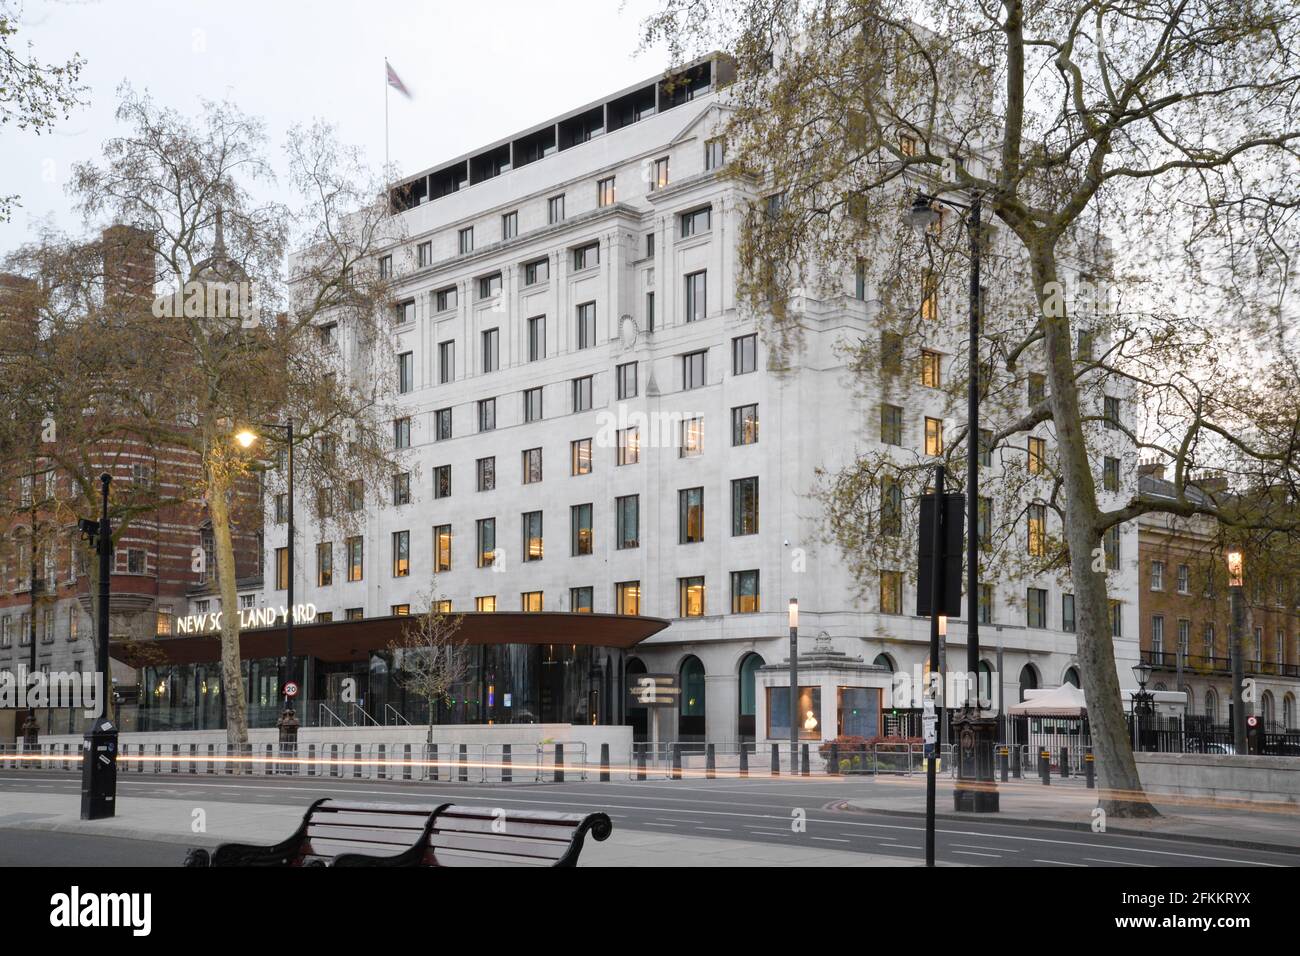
(1065, 762)
(432, 755)
(803, 760)
(640, 762)
(604, 763)
(1089, 769)
(1045, 767)
(677, 761)
(834, 767)
(506, 757)
(559, 763)
(710, 762)
(744, 760)
(776, 761)
(462, 759)
(1015, 761)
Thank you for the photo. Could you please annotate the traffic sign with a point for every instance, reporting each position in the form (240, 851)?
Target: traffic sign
(1252, 721)
(291, 689)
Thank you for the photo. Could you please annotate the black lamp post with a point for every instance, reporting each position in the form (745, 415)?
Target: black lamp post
(1237, 625)
(1142, 699)
(976, 789)
(288, 720)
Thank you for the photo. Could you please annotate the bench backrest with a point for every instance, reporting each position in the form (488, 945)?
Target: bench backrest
(334, 827)
(477, 836)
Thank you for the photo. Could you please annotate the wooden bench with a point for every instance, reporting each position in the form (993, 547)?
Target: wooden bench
(342, 833)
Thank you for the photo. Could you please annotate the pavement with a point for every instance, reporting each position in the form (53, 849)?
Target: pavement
(759, 821)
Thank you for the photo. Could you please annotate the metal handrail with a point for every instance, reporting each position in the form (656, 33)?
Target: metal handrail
(396, 713)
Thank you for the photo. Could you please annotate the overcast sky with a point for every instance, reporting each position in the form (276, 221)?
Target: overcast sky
(478, 71)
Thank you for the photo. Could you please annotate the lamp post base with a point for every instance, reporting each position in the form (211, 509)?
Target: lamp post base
(976, 790)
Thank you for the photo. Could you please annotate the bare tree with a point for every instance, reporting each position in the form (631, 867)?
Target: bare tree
(428, 659)
(1146, 150)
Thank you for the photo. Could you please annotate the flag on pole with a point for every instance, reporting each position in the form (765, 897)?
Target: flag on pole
(395, 81)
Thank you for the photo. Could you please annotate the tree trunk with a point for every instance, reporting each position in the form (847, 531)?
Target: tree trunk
(1122, 793)
(232, 677)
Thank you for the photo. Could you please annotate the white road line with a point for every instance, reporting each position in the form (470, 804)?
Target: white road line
(1115, 862)
(899, 846)
(973, 853)
(1061, 863)
(715, 829)
(647, 823)
(971, 846)
(831, 840)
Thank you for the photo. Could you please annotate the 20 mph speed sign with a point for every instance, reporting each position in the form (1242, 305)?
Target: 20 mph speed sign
(291, 689)
(1252, 721)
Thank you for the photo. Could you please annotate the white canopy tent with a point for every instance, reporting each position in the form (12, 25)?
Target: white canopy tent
(1064, 701)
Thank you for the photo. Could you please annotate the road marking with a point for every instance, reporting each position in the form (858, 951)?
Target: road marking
(899, 846)
(647, 823)
(831, 840)
(973, 853)
(1061, 863)
(1115, 862)
(971, 846)
(716, 829)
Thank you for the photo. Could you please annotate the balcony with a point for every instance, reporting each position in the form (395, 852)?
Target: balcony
(1201, 663)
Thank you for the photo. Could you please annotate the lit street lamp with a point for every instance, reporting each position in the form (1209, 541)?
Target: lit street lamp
(1237, 614)
(1141, 699)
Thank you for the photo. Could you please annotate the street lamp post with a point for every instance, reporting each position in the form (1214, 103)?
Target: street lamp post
(976, 789)
(1141, 700)
(794, 684)
(1237, 624)
(288, 720)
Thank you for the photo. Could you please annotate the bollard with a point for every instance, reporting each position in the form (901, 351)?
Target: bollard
(194, 758)
(505, 763)
(461, 757)
(677, 761)
(1045, 767)
(269, 767)
(744, 760)
(383, 763)
(710, 762)
(776, 761)
(1015, 761)
(356, 763)
(803, 760)
(211, 754)
(834, 768)
(559, 763)
(604, 763)
(1002, 763)
(432, 754)
(1065, 762)
(640, 762)
(1089, 769)
(406, 761)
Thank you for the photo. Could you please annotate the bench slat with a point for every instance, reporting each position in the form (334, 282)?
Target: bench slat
(545, 849)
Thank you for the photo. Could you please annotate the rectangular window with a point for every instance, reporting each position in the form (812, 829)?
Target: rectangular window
(537, 271)
(1110, 544)
(1037, 389)
(744, 506)
(580, 529)
(281, 568)
(627, 597)
(536, 338)
(487, 473)
(586, 325)
(399, 610)
(744, 425)
(465, 240)
(1067, 613)
(487, 414)
(582, 394)
(891, 352)
(402, 489)
(401, 554)
(442, 424)
(356, 495)
(650, 311)
(659, 174)
(649, 244)
(1037, 530)
(1110, 474)
(489, 286)
(696, 222)
(1037, 455)
(860, 280)
(402, 433)
(1157, 575)
(530, 602)
(605, 192)
(891, 592)
(532, 528)
(486, 603)
(933, 436)
(1116, 619)
(744, 592)
(1036, 607)
(509, 226)
(693, 369)
(690, 515)
(442, 481)
(626, 378)
(580, 457)
(444, 300)
(1111, 412)
(533, 405)
(324, 564)
(744, 354)
(891, 424)
(891, 507)
(713, 154)
(356, 558)
(690, 597)
(986, 604)
(628, 442)
(627, 511)
(281, 508)
(985, 517)
(586, 257)
(404, 312)
(385, 267)
(692, 438)
(555, 209)
(424, 254)
(446, 362)
(354, 613)
(328, 334)
(697, 286)
(405, 372)
(581, 601)
(442, 548)
(486, 537)
(1184, 574)
(986, 448)
(931, 366)
(929, 295)
(532, 459)
(491, 350)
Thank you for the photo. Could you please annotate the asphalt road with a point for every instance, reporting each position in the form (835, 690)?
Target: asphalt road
(755, 810)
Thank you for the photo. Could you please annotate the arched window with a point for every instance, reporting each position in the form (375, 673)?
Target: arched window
(1072, 677)
(690, 720)
(1288, 711)
(747, 698)
(1028, 679)
(1191, 700)
(987, 686)
(1266, 709)
(1211, 705)
(884, 660)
